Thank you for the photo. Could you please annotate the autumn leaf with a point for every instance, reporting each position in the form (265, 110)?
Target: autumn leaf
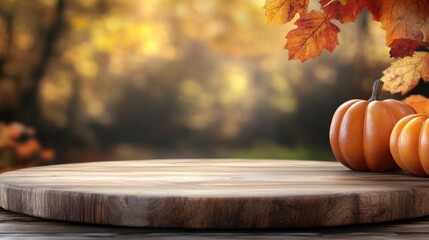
(47, 155)
(344, 12)
(404, 74)
(407, 30)
(344, 2)
(19, 148)
(403, 19)
(15, 130)
(374, 7)
(283, 11)
(418, 102)
(28, 148)
(426, 28)
(403, 47)
(400, 18)
(314, 33)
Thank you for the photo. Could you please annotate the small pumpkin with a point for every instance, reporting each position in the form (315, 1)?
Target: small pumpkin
(409, 144)
(360, 131)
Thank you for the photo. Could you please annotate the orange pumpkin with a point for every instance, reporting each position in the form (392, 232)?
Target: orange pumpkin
(409, 144)
(360, 132)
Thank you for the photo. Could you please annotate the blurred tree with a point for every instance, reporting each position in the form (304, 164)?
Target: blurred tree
(30, 100)
(170, 75)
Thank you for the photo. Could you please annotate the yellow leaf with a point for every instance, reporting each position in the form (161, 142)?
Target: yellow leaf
(283, 11)
(404, 74)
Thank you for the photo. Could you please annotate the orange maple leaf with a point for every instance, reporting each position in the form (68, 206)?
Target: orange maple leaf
(283, 11)
(418, 102)
(403, 47)
(404, 19)
(314, 33)
(404, 74)
(343, 11)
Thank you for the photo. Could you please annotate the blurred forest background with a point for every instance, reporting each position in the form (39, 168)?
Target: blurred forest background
(90, 80)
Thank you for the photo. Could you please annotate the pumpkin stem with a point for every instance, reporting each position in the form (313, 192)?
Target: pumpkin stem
(376, 90)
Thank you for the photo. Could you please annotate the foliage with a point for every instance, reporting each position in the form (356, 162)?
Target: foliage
(19, 147)
(406, 23)
(418, 102)
(404, 74)
(269, 150)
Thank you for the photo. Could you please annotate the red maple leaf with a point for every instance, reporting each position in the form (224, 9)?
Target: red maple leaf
(374, 7)
(403, 47)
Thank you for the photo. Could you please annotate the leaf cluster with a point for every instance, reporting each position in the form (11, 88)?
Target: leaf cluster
(19, 147)
(406, 23)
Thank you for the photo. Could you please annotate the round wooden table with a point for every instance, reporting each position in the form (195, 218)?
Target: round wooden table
(213, 193)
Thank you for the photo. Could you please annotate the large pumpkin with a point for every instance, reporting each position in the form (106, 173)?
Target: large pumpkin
(360, 132)
(409, 144)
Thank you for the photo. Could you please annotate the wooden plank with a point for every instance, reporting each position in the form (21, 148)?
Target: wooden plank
(222, 194)
(17, 226)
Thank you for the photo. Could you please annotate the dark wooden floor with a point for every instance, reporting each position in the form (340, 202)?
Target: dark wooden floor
(17, 226)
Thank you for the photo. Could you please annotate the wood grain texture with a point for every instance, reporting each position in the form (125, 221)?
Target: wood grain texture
(222, 194)
(17, 226)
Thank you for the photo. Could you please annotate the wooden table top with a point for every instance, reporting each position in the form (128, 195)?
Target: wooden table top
(18, 226)
(207, 194)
